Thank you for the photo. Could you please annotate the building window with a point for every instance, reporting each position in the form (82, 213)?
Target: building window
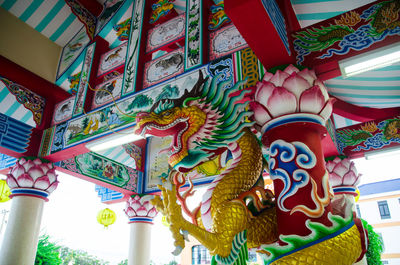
(200, 255)
(384, 210)
(358, 210)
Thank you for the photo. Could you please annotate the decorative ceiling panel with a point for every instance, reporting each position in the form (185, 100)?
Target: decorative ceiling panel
(10, 107)
(118, 154)
(53, 18)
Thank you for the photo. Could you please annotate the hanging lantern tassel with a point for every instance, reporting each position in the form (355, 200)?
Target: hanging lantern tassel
(4, 191)
(106, 217)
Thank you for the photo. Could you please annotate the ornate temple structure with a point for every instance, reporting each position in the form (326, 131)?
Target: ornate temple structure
(150, 98)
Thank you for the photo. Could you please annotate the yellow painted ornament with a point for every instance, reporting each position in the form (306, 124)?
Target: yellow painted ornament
(358, 195)
(4, 191)
(106, 217)
(164, 221)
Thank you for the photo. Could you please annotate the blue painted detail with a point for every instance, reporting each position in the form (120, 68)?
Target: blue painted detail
(30, 10)
(141, 219)
(108, 195)
(115, 44)
(13, 108)
(58, 143)
(292, 120)
(26, 117)
(27, 191)
(63, 27)
(318, 16)
(379, 187)
(14, 135)
(344, 189)
(7, 161)
(50, 16)
(340, 231)
(3, 93)
(278, 20)
(8, 4)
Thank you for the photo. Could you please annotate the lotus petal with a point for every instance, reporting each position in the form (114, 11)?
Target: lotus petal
(263, 92)
(28, 165)
(141, 211)
(340, 169)
(17, 170)
(281, 102)
(130, 212)
(291, 69)
(152, 213)
(278, 78)
(261, 114)
(296, 84)
(11, 182)
(52, 187)
(330, 165)
(25, 181)
(42, 183)
(37, 161)
(135, 204)
(267, 76)
(323, 88)
(308, 75)
(335, 180)
(21, 161)
(52, 175)
(326, 112)
(349, 178)
(312, 100)
(35, 172)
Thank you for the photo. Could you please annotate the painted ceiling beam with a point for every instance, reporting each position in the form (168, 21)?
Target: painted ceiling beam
(265, 28)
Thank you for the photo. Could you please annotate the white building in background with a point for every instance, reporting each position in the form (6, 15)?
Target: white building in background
(379, 205)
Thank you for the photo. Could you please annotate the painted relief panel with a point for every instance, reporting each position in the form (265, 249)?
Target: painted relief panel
(112, 59)
(122, 114)
(166, 33)
(72, 50)
(84, 80)
(63, 110)
(45, 144)
(107, 91)
(110, 9)
(225, 41)
(194, 32)
(368, 136)
(163, 68)
(129, 82)
(350, 32)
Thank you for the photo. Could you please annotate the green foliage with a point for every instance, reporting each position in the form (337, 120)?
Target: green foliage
(140, 101)
(47, 252)
(168, 92)
(79, 257)
(123, 262)
(375, 245)
(173, 262)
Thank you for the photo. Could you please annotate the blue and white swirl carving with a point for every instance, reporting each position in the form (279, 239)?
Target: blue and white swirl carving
(290, 159)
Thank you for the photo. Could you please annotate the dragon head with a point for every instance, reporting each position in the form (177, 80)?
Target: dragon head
(201, 122)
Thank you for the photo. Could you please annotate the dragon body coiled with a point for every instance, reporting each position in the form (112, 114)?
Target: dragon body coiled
(236, 212)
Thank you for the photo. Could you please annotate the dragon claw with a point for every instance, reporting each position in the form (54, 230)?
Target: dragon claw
(185, 235)
(177, 251)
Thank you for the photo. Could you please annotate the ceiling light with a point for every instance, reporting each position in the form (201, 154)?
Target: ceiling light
(390, 151)
(115, 139)
(367, 61)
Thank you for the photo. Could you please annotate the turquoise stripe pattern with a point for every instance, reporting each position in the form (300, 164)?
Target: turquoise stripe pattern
(26, 117)
(13, 108)
(30, 10)
(50, 16)
(3, 94)
(63, 27)
(318, 16)
(8, 4)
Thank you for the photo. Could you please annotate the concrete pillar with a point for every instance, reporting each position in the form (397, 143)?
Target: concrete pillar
(140, 213)
(31, 182)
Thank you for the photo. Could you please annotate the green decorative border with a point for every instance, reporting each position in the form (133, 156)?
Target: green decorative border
(197, 10)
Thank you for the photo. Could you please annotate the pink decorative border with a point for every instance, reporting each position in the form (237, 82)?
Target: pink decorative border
(235, 46)
(171, 38)
(117, 63)
(151, 68)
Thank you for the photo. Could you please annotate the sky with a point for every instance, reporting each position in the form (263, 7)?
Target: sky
(70, 216)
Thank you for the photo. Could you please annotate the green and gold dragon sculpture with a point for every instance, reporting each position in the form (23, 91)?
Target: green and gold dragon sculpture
(236, 213)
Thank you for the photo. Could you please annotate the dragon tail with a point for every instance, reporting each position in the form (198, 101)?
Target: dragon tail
(239, 253)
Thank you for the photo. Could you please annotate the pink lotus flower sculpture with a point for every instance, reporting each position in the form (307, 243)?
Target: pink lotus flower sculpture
(32, 174)
(342, 174)
(140, 207)
(290, 91)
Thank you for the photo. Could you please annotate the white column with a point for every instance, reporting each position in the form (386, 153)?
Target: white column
(22, 231)
(140, 213)
(139, 243)
(31, 182)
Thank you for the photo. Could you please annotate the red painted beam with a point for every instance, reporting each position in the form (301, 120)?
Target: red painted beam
(362, 114)
(254, 24)
(92, 6)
